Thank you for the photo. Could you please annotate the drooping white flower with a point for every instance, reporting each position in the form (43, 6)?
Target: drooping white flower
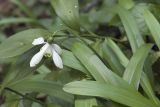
(54, 50)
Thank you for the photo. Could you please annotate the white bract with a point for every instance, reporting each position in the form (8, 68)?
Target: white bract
(52, 49)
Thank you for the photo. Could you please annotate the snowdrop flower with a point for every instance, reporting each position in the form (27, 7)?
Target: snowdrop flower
(48, 49)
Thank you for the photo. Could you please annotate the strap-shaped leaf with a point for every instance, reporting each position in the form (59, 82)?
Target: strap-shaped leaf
(153, 26)
(131, 27)
(96, 67)
(111, 58)
(134, 69)
(68, 11)
(108, 91)
(145, 83)
(71, 61)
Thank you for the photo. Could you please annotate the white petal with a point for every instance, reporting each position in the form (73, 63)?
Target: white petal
(57, 59)
(57, 48)
(36, 59)
(45, 48)
(38, 41)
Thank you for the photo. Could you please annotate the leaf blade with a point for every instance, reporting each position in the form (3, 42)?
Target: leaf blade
(68, 11)
(107, 91)
(153, 26)
(134, 68)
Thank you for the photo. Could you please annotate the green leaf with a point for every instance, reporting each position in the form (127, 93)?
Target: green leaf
(68, 11)
(120, 55)
(108, 91)
(12, 104)
(133, 35)
(88, 102)
(96, 67)
(131, 27)
(42, 86)
(71, 61)
(20, 42)
(134, 68)
(112, 59)
(153, 26)
(21, 69)
(137, 12)
(43, 70)
(53, 105)
(145, 83)
(128, 4)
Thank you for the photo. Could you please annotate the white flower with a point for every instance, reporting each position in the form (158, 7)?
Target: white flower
(54, 50)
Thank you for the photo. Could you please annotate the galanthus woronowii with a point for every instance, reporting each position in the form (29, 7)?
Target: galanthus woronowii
(52, 49)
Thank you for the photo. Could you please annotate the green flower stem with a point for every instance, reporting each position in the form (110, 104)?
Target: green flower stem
(85, 36)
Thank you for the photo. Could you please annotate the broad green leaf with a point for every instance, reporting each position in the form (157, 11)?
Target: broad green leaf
(42, 86)
(20, 42)
(71, 61)
(153, 26)
(128, 4)
(68, 11)
(16, 20)
(108, 91)
(87, 102)
(131, 28)
(134, 68)
(96, 67)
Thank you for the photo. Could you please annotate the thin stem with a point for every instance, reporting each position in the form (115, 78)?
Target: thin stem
(86, 36)
(26, 97)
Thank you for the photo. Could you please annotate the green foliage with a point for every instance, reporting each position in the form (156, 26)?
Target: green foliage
(153, 25)
(108, 91)
(20, 42)
(134, 68)
(107, 55)
(68, 11)
(88, 102)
